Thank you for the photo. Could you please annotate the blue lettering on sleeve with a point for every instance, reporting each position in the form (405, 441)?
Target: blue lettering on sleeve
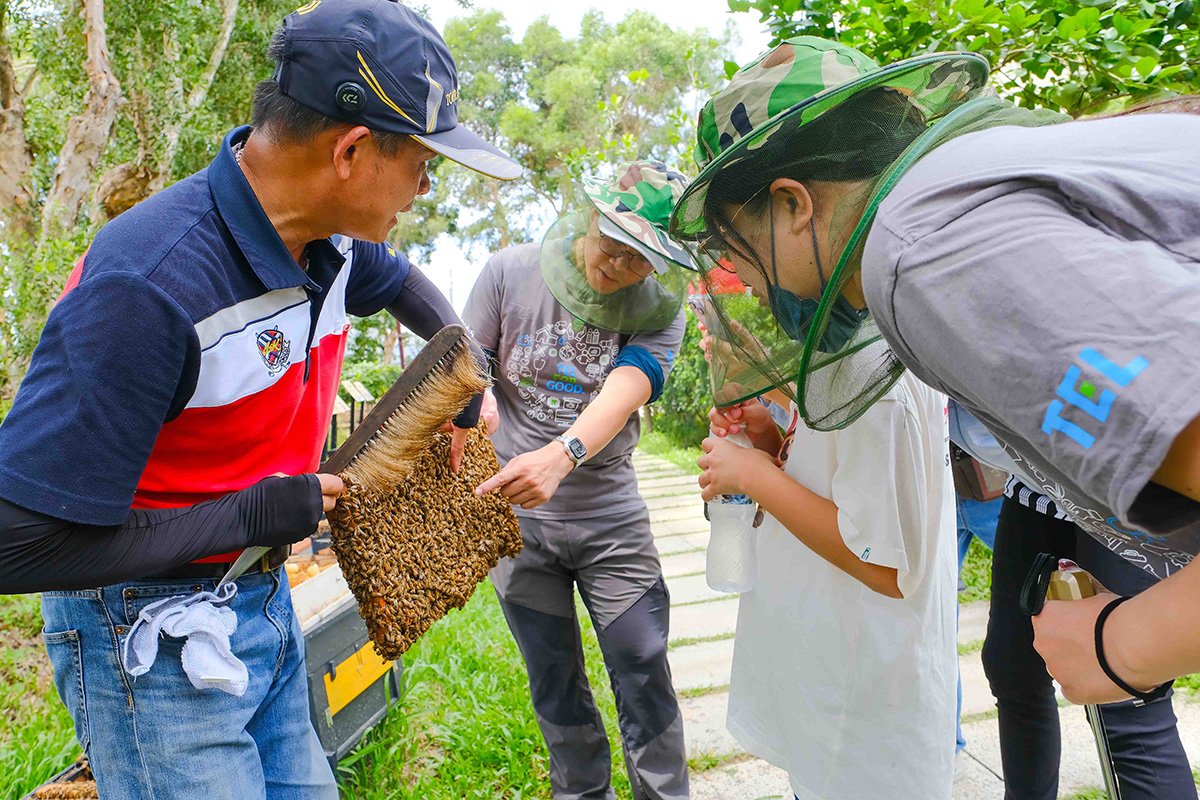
(1121, 376)
(1055, 422)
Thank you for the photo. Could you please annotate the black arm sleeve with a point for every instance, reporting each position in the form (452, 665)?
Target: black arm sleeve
(40, 553)
(423, 308)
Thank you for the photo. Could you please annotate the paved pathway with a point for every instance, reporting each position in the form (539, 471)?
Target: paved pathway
(702, 626)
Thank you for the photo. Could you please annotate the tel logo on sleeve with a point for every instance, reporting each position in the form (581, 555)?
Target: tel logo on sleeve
(275, 350)
(1087, 397)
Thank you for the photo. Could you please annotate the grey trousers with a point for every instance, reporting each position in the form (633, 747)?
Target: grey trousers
(614, 563)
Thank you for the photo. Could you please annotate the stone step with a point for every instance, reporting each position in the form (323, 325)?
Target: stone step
(683, 564)
(687, 489)
(693, 512)
(704, 728)
(673, 501)
(668, 481)
(675, 527)
(1080, 766)
(701, 665)
(669, 545)
(704, 619)
(972, 621)
(748, 779)
(681, 544)
(977, 696)
(690, 589)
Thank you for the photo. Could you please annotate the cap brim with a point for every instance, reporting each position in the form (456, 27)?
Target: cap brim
(467, 148)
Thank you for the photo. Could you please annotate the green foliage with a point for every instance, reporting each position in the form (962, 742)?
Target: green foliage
(681, 413)
(31, 278)
(976, 573)
(565, 108)
(37, 738)
(375, 376)
(1078, 57)
(684, 456)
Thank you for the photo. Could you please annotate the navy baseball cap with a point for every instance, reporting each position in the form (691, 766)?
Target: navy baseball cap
(379, 64)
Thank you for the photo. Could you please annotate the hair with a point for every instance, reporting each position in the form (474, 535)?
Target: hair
(295, 123)
(855, 141)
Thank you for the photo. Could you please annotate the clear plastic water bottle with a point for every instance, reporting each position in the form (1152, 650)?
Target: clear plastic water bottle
(730, 564)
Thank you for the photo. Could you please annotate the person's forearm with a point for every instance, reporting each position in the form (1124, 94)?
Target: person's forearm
(625, 390)
(41, 553)
(813, 520)
(1155, 636)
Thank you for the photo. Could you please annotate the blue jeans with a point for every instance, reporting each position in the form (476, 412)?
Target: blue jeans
(976, 520)
(157, 737)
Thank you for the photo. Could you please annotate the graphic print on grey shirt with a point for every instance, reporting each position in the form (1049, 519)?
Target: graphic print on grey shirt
(551, 366)
(1085, 395)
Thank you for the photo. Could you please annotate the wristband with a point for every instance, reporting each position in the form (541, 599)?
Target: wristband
(1140, 698)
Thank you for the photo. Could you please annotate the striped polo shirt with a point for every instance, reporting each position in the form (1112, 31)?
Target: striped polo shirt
(189, 356)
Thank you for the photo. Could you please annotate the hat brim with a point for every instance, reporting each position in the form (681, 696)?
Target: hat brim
(684, 225)
(469, 149)
(659, 243)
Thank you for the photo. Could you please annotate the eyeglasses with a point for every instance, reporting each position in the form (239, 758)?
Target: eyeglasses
(635, 261)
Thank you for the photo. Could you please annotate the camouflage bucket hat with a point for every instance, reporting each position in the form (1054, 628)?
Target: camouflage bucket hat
(636, 208)
(794, 84)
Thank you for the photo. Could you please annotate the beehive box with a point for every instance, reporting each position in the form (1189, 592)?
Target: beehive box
(350, 688)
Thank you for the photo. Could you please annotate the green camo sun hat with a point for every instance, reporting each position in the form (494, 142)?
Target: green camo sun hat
(637, 206)
(798, 81)
(815, 108)
(617, 231)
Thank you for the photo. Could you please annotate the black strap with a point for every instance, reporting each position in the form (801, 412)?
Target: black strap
(1141, 698)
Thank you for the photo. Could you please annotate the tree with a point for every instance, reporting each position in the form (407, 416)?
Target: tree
(1078, 56)
(568, 107)
(101, 104)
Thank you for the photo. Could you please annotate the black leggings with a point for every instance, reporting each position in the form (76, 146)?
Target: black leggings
(1149, 758)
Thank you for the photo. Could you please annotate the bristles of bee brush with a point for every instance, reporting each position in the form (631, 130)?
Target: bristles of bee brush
(389, 456)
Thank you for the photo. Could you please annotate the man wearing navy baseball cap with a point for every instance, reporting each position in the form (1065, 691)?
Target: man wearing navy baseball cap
(176, 406)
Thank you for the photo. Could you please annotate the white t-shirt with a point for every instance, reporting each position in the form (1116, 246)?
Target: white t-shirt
(849, 691)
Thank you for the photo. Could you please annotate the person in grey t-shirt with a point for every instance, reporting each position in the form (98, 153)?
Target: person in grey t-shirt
(1043, 272)
(583, 330)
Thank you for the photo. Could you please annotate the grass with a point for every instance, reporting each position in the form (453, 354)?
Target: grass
(37, 739)
(656, 443)
(465, 727)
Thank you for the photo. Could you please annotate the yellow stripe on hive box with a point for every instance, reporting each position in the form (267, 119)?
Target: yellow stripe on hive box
(353, 676)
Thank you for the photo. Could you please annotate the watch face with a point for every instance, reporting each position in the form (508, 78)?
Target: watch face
(577, 448)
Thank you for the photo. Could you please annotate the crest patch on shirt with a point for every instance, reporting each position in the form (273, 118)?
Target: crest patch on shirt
(275, 350)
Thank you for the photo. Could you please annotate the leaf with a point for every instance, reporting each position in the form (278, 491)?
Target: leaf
(1145, 65)
(1122, 24)
(731, 68)
(639, 75)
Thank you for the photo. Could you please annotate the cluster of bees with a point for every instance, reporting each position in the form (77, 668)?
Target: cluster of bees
(412, 555)
(74, 790)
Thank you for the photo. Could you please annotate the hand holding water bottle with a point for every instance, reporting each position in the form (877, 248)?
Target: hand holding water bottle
(726, 465)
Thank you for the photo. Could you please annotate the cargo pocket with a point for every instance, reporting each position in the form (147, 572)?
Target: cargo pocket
(67, 658)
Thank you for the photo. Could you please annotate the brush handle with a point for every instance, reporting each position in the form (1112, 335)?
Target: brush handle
(446, 341)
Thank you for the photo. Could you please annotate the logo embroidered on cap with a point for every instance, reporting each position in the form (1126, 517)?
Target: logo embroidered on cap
(275, 350)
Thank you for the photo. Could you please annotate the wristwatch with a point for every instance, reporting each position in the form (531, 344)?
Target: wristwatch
(576, 450)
